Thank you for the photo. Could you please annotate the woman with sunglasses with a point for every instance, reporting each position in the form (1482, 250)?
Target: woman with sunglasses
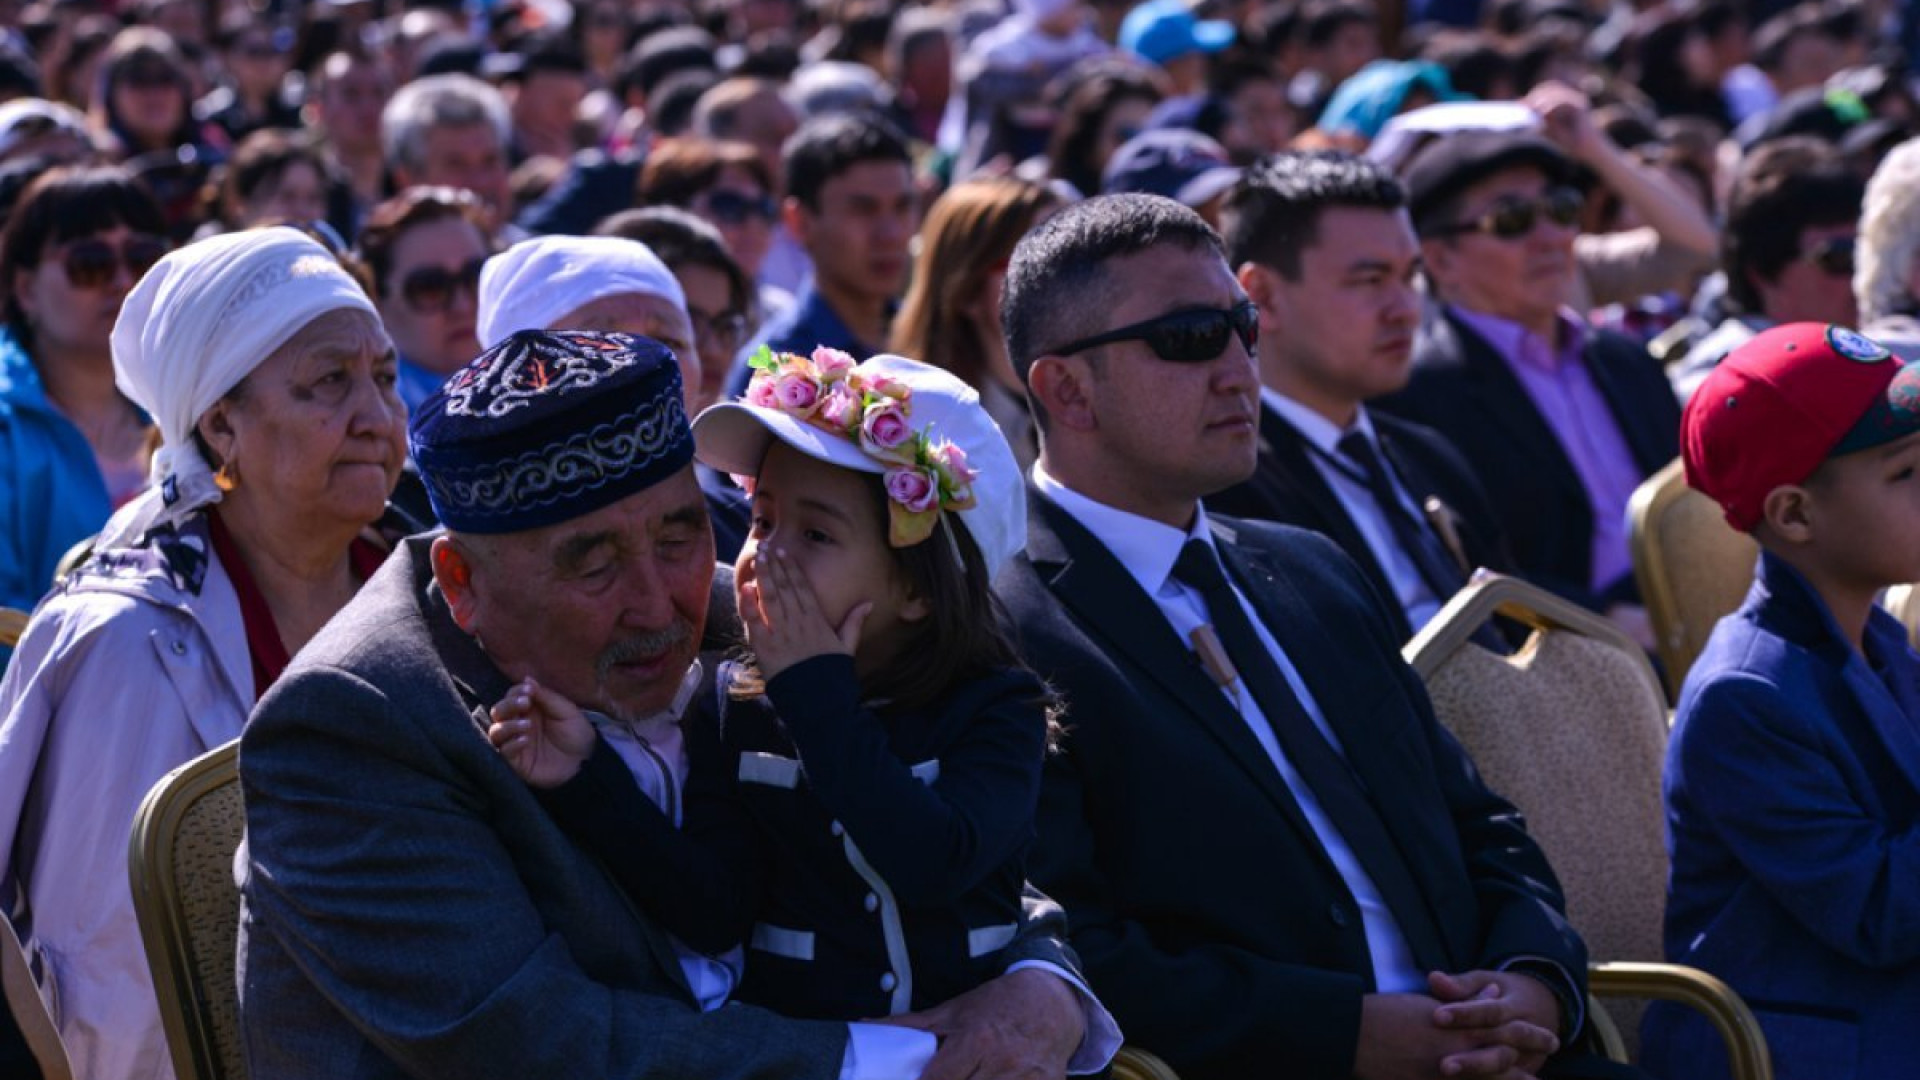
(424, 248)
(265, 368)
(951, 316)
(144, 100)
(725, 183)
(71, 447)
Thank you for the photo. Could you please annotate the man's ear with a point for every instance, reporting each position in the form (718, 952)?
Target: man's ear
(1436, 263)
(1264, 291)
(1062, 385)
(1787, 514)
(793, 214)
(453, 572)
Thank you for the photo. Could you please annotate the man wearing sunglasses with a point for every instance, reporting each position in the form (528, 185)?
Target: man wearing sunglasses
(1322, 243)
(1787, 248)
(1274, 858)
(1559, 422)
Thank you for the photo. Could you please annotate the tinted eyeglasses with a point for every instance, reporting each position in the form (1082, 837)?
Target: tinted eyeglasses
(1513, 217)
(727, 330)
(738, 207)
(1183, 337)
(1834, 256)
(430, 289)
(90, 263)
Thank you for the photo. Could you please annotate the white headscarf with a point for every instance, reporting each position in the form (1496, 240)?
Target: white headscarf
(535, 282)
(196, 324)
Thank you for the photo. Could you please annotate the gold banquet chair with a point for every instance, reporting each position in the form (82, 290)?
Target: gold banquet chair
(1572, 728)
(1133, 1063)
(1692, 567)
(181, 862)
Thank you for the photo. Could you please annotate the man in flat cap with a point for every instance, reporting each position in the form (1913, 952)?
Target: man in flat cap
(1559, 421)
(409, 908)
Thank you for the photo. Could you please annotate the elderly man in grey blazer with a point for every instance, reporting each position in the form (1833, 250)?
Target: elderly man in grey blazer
(409, 907)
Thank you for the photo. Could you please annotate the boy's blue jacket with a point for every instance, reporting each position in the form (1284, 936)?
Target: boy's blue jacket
(1792, 788)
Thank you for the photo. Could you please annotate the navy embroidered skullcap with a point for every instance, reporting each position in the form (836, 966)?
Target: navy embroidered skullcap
(549, 425)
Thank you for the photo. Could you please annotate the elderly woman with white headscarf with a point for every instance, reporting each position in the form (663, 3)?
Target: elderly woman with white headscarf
(267, 372)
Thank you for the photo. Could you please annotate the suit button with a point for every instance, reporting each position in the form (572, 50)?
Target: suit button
(872, 903)
(179, 647)
(838, 829)
(888, 982)
(1338, 915)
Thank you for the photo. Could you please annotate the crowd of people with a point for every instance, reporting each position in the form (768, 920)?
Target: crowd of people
(841, 538)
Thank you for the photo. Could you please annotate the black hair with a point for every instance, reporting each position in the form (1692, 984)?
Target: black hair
(1321, 21)
(656, 57)
(1058, 268)
(552, 51)
(1273, 212)
(1783, 188)
(681, 238)
(64, 205)
(827, 146)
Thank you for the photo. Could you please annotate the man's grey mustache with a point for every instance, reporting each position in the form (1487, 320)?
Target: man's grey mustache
(643, 646)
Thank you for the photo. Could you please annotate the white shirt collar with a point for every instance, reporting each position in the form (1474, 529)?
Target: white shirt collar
(1147, 548)
(1317, 429)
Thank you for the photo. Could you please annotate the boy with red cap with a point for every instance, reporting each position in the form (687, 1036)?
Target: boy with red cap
(1793, 777)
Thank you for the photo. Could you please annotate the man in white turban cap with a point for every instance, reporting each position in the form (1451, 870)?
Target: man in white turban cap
(604, 283)
(255, 349)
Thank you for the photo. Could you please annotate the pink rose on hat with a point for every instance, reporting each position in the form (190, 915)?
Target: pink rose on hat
(832, 365)
(955, 474)
(796, 392)
(842, 407)
(916, 489)
(884, 431)
(760, 394)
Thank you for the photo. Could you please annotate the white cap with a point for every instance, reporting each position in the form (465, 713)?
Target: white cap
(733, 437)
(535, 282)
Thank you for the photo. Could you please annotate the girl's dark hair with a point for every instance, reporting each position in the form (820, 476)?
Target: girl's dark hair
(64, 205)
(137, 46)
(963, 636)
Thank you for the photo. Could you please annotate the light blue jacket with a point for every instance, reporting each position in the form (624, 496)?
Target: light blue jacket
(52, 495)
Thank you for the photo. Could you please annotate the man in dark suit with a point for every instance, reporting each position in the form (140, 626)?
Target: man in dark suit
(1322, 244)
(408, 906)
(1275, 861)
(1559, 422)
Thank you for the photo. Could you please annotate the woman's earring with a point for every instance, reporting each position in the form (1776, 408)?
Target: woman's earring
(227, 477)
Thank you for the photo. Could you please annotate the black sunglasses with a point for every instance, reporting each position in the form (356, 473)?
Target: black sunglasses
(430, 289)
(1834, 256)
(1194, 336)
(90, 263)
(1512, 217)
(736, 208)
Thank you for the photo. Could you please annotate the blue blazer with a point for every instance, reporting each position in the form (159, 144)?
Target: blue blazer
(1792, 789)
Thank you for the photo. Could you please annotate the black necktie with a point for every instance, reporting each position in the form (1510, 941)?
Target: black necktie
(1334, 783)
(1435, 567)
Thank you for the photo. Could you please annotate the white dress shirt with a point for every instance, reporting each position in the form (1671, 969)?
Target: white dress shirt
(1148, 551)
(654, 751)
(1410, 590)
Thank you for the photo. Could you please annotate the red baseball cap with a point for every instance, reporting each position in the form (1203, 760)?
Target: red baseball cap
(1786, 401)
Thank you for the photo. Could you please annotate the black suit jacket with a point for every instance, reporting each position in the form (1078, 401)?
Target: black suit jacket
(1288, 488)
(1209, 918)
(1465, 391)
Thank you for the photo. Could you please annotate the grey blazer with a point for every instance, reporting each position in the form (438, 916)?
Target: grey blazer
(410, 909)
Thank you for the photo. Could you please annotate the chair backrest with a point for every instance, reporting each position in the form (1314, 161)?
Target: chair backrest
(1571, 728)
(1692, 567)
(181, 861)
(13, 623)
